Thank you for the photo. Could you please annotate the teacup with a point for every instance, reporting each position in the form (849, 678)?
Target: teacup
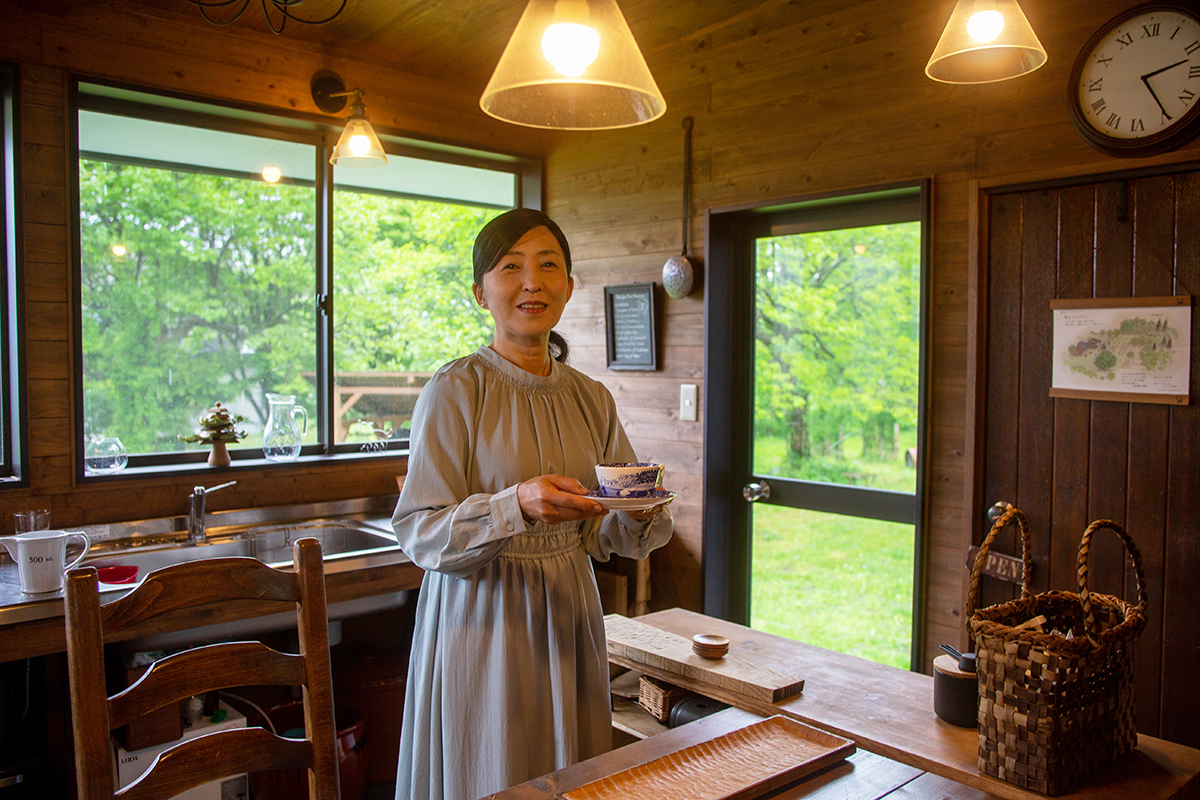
(41, 558)
(630, 479)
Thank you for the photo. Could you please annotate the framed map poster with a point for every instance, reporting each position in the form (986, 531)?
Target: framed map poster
(1127, 349)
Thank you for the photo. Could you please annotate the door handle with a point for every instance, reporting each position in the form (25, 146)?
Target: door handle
(996, 511)
(756, 491)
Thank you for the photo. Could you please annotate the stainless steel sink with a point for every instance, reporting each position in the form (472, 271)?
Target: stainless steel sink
(272, 544)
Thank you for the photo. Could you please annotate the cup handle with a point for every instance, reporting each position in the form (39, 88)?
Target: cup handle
(87, 545)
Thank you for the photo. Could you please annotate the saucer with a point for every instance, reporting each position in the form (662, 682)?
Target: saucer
(656, 498)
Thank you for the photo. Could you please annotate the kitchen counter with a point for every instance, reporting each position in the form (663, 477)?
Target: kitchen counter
(889, 712)
(32, 625)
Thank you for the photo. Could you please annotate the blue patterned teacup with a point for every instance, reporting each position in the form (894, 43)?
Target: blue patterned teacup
(631, 479)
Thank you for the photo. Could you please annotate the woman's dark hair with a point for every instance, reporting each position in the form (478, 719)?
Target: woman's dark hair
(498, 236)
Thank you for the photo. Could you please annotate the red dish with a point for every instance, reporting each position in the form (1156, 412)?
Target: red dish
(117, 574)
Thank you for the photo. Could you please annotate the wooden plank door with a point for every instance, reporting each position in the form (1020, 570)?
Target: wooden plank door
(1066, 462)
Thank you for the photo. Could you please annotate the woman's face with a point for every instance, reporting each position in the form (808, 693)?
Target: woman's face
(527, 289)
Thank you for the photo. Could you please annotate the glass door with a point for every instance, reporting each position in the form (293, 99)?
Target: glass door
(830, 397)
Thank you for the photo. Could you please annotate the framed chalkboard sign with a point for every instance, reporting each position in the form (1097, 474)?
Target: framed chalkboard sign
(630, 317)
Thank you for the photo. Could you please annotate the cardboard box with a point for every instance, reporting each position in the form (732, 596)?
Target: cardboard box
(131, 765)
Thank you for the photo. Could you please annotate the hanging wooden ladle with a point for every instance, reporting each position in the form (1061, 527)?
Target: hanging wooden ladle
(679, 273)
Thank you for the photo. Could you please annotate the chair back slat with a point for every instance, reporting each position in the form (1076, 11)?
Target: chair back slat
(214, 756)
(89, 702)
(224, 753)
(201, 670)
(196, 583)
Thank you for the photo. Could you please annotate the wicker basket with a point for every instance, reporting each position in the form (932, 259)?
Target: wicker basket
(658, 697)
(1055, 703)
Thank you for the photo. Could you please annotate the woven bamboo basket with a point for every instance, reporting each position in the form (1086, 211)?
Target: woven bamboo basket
(1055, 699)
(658, 697)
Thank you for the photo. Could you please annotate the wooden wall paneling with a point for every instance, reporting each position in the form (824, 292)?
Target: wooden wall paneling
(1153, 208)
(1035, 471)
(1108, 467)
(1004, 344)
(1181, 590)
(1072, 418)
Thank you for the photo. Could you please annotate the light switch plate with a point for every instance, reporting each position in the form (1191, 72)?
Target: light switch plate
(687, 402)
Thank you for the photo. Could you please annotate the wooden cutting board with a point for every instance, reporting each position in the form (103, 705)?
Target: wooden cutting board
(670, 657)
(741, 764)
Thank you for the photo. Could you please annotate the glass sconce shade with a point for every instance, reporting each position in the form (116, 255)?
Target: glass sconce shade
(595, 79)
(358, 146)
(985, 41)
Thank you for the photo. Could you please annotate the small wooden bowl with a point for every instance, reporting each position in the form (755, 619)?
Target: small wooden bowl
(710, 645)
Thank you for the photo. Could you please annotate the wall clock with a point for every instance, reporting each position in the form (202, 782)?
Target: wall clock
(1135, 86)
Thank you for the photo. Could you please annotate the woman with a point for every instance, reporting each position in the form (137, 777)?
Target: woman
(508, 676)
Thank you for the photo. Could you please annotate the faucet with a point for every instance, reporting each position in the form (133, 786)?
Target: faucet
(196, 533)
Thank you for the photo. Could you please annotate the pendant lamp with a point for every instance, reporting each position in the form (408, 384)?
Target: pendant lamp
(985, 41)
(573, 65)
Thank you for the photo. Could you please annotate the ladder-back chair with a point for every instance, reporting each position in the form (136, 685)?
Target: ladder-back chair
(202, 669)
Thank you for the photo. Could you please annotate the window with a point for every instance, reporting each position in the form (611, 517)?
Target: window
(202, 281)
(11, 424)
(825, 363)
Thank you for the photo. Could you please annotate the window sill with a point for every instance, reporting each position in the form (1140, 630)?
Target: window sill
(241, 465)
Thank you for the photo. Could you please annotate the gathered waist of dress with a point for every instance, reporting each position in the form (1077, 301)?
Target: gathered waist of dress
(545, 541)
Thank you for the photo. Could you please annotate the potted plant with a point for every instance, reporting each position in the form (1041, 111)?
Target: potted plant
(217, 427)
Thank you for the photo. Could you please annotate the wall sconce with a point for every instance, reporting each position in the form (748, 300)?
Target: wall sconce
(573, 65)
(985, 41)
(358, 146)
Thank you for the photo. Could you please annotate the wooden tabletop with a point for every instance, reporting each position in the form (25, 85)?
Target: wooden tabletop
(889, 712)
(861, 776)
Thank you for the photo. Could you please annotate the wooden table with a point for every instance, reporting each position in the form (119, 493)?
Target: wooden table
(889, 712)
(862, 776)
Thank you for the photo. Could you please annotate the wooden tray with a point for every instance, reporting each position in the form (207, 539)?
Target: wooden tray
(742, 764)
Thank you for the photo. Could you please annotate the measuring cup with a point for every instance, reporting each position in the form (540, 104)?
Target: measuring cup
(41, 558)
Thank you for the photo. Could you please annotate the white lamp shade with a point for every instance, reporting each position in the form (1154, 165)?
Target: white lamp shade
(615, 90)
(358, 146)
(972, 50)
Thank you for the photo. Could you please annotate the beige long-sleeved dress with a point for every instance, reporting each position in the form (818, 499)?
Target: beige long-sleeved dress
(508, 676)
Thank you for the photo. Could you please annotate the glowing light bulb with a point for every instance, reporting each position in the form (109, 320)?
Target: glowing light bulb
(271, 174)
(360, 145)
(119, 250)
(983, 26)
(570, 47)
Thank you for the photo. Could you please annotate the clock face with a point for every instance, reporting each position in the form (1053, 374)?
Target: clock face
(1136, 84)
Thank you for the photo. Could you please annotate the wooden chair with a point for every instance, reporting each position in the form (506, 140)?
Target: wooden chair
(199, 670)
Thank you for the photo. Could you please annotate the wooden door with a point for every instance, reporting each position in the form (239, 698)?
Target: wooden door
(1066, 462)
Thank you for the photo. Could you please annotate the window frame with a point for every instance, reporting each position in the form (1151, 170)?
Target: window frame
(14, 442)
(321, 132)
(731, 233)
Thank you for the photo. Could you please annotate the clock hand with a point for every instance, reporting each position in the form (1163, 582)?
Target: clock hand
(1164, 69)
(1146, 80)
(1150, 89)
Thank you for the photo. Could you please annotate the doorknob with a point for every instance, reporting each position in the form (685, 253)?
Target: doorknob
(996, 511)
(756, 491)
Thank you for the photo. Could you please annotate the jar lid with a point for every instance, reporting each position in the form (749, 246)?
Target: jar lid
(948, 665)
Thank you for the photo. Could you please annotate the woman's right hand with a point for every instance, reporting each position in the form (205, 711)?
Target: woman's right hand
(556, 498)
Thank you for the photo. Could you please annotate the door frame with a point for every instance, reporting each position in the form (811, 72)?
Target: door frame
(730, 233)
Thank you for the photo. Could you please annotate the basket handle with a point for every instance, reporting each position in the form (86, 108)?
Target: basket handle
(1085, 597)
(1008, 516)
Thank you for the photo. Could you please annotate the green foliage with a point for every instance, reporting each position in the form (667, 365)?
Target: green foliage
(214, 295)
(403, 293)
(1105, 360)
(837, 341)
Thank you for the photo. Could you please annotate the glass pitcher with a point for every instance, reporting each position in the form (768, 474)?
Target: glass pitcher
(281, 437)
